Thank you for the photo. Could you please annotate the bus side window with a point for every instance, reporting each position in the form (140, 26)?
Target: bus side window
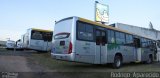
(120, 38)
(111, 36)
(85, 31)
(129, 40)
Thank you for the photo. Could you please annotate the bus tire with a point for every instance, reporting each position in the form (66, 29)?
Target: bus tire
(117, 62)
(150, 60)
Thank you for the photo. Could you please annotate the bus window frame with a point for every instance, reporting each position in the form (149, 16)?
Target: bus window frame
(32, 33)
(46, 37)
(108, 36)
(127, 44)
(77, 38)
(120, 37)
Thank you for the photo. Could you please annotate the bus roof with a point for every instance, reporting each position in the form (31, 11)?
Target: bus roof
(101, 25)
(42, 30)
(95, 23)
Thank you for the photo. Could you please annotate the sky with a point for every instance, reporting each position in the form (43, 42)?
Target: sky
(16, 16)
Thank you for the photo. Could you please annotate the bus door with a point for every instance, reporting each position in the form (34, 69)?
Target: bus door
(100, 55)
(138, 53)
(158, 50)
(154, 48)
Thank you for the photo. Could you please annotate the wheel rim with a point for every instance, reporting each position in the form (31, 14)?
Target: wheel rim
(118, 63)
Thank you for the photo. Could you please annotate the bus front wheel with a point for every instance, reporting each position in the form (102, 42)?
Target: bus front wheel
(117, 62)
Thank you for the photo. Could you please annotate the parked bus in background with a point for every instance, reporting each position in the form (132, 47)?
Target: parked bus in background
(81, 40)
(10, 45)
(37, 39)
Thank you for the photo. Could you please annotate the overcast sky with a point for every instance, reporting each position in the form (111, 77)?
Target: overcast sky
(16, 16)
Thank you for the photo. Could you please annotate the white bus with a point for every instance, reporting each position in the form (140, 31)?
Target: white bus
(81, 40)
(10, 44)
(37, 39)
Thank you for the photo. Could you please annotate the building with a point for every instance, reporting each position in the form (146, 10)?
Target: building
(146, 32)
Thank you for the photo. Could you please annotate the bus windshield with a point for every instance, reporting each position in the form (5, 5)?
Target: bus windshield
(38, 35)
(47, 36)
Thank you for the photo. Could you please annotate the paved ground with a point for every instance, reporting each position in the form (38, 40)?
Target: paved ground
(18, 61)
(13, 64)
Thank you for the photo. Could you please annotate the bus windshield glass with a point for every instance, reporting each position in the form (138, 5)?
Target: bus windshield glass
(39, 35)
(47, 36)
(36, 35)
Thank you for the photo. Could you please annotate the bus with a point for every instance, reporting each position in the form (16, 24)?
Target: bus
(81, 40)
(10, 45)
(37, 39)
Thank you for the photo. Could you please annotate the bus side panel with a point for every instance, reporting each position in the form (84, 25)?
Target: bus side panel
(145, 54)
(111, 51)
(126, 51)
(85, 51)
(130, 54)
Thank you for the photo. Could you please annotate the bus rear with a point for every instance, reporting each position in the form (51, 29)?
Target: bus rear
(10, 44)
(63, 40)
(40, 40)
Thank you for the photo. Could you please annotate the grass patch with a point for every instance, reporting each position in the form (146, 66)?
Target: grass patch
(65, 66)
(79, 70)
(60, 66)
(70, 69)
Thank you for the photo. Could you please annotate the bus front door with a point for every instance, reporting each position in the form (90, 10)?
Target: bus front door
(100, 55)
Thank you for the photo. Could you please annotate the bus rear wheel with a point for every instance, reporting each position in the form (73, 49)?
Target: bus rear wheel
(117, 62)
